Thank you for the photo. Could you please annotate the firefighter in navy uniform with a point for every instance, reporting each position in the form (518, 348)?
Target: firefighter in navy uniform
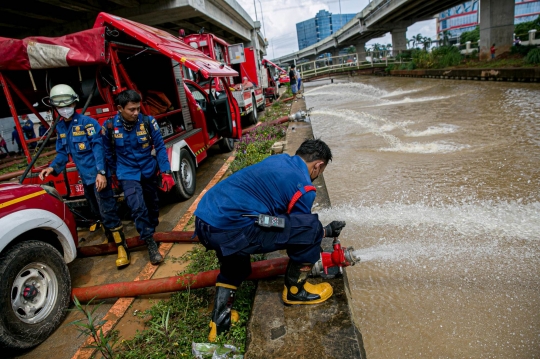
(279, 186)
(128, 140)
(79, 137)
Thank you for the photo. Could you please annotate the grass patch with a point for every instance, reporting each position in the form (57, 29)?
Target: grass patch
(175, 323)
(256, 145)
(21, 165)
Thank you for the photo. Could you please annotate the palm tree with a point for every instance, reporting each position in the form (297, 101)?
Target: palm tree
(426, 41)
(418, 39)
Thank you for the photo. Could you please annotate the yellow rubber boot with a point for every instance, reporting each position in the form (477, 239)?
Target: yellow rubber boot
(123, 258)
(298, 291)
(222, 315)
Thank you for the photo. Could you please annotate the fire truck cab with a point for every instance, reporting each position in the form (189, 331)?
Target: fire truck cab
(115, 55)
(254, 82)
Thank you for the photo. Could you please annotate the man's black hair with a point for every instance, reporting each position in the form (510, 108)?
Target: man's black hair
(314, 150)
(127, 96)
(293, 66)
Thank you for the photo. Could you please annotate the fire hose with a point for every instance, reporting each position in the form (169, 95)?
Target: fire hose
(340, 257)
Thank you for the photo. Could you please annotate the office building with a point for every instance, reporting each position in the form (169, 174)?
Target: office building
(464, 17)
(321, 26)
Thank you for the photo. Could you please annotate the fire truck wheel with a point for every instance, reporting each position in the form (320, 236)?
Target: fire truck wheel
(226, 145)
(35, 289)
(253, 116)
(185, 177)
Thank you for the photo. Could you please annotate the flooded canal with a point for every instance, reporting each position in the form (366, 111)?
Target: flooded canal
(438, 181)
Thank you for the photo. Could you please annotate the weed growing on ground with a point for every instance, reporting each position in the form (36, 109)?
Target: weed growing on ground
(91, 326)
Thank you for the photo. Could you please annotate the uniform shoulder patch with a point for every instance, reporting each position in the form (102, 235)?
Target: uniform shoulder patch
(90, 130)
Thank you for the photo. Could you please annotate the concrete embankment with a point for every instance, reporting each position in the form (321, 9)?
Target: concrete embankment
(529, 74)
(322, 331)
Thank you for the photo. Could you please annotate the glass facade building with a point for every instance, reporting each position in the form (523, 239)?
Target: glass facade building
(464, 17)
(321, 26)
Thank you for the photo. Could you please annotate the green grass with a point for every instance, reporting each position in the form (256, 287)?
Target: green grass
(176, 323)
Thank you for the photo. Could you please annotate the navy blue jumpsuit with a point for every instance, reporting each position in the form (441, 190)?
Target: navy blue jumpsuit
(264, 188)
(81, 139)
(135, 167)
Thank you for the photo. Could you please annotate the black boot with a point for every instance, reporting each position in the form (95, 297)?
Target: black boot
(298, 291)
(153, 251)
(108, 236)
(118, 237)
(222, 315)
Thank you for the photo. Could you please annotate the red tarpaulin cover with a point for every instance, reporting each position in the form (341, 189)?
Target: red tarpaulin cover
(167, 44)
(38, 52)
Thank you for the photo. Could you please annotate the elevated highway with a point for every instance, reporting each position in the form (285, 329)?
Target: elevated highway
(394, 16)
(225, 18)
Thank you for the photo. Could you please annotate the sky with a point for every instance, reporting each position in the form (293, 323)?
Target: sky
(279, 18)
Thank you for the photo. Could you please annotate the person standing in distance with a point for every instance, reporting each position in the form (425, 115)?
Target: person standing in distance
(28, 129)
(279, 186)
(79, 136)
(292, 80)
(15, 138)
(128, 139)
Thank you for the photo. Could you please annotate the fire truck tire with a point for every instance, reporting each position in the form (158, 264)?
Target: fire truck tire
(185, 177)
(253, 116)
(263, 106)
(37, 269)
(226, 145)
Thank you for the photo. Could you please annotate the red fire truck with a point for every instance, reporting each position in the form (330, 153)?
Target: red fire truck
(280, 74)
(187, 92)
(249, 94)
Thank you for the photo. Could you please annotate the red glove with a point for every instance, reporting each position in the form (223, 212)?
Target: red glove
(167, 182)
(114, 182)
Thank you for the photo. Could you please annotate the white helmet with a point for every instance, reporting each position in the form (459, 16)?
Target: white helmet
(61, 96)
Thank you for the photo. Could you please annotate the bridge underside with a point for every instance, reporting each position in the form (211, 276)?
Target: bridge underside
(19, 19)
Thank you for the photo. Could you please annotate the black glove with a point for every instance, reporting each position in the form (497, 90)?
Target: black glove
(334, 228)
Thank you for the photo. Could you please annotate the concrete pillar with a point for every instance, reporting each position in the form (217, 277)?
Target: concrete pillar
(496, 26)
(399, 40)
(532, 36)
(361, 50)
(335, 53)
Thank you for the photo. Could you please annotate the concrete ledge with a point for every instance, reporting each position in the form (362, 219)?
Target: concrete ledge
(528, 74)
(324, 330)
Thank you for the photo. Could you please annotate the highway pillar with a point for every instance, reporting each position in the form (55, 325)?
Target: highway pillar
(335, 54)
(399, 40)
(360, 47)
(496, 26)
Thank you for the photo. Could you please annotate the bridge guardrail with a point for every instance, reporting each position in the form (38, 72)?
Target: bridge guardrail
(353, 61)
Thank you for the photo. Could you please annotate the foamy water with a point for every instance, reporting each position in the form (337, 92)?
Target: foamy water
(381, 126)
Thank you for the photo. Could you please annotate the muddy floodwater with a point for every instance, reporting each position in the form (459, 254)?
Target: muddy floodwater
(439, 182)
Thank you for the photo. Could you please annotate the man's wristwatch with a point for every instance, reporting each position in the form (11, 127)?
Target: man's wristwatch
(102, 172)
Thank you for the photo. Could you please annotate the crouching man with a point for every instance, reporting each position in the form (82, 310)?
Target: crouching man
(279, 186)
(128, 139)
